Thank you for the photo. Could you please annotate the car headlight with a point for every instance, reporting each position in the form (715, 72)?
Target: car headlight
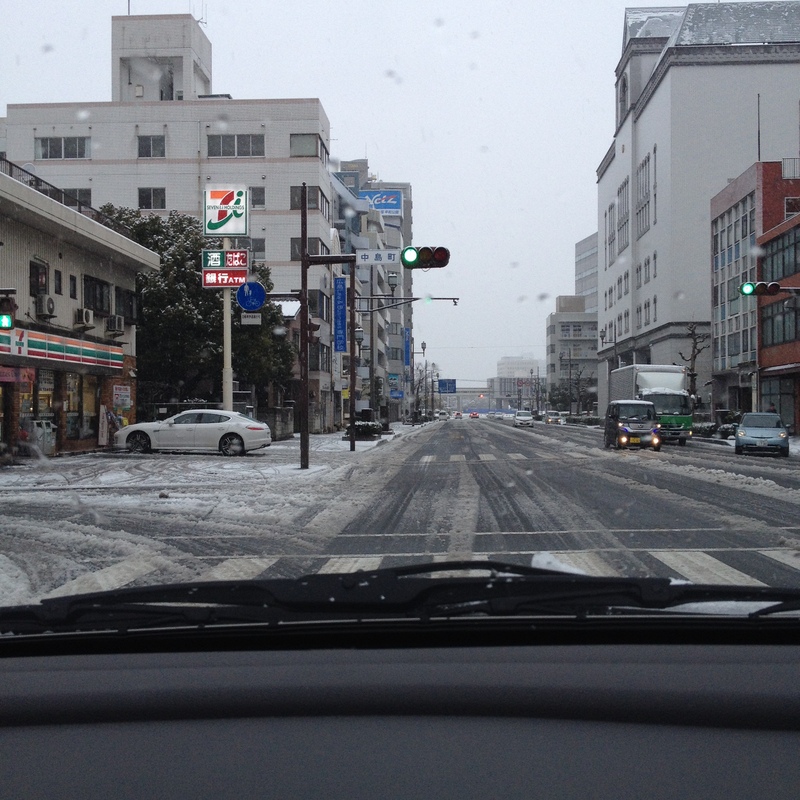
(740, 433)
(782, 434)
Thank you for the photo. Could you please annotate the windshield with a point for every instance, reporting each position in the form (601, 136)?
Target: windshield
(671, 404)
(383, 234)
(761, 421)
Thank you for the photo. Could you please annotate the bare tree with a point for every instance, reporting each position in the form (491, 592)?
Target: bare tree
(697, 341)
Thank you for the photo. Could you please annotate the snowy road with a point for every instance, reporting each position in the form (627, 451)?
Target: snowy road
(459, 489)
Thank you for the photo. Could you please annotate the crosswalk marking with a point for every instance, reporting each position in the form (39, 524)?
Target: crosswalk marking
(700, 567)
(427, 459)
(587, 562)
(112, 577)
(458, 457)
(350, 564)
(238, 569)
(790, 558)
(518, 456)
(487, 457)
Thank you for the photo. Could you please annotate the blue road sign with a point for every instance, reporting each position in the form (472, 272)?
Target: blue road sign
(251, 296)
(447, 385)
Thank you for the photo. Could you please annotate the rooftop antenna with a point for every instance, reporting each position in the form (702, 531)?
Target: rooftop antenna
(204, 14)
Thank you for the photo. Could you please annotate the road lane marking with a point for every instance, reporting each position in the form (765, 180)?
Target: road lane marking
(427, 459)
(700, 567)
(458, 457)
(487, 457)
(112, 577)
(348, 564)
(234, 569)
(517, 456)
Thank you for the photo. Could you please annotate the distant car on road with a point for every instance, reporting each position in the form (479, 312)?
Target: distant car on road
(229, 432)
(761, 433)
(553, 418)
(458, 415)
(631, 423)
(474, 415)
(523, 419)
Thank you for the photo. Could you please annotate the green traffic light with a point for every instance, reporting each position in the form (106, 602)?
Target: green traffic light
(409, 256)
(747, 289)
(6, 322)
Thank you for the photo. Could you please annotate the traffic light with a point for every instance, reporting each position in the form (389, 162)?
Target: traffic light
(424, 257)
(762, 287)
(7, 309)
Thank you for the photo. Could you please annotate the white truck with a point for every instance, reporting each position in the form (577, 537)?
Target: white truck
(664, 385)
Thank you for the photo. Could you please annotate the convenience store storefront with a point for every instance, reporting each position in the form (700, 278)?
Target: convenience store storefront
(61, 394)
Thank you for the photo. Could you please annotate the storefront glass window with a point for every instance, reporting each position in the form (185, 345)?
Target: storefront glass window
(46, 387)
(72, 406)
(89, 408)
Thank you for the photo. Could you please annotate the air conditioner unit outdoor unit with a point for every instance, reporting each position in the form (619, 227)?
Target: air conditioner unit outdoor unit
(84, 317)
(115, 324)
(45, 306)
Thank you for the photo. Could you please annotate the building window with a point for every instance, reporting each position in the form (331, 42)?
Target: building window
(50, 147)
(647, 312)
(258, 197)
(74, 197)
(655, 265)
(315, 248)
(619, 288)
(612, 233)
(96, 295)
(626, 282)
(57, 287)
(655, 309)
(791, 206)
(258, 245)
(73, 287)
(627, 321)
(305, 145)
(638, 276)
(623, 216)
(638, 317)
(239, 145)
(316, 200)
(647, 270)
(39, 278)
(152, 147)
(643, 197)
(623, 98)
(125, 304)
(154, 198)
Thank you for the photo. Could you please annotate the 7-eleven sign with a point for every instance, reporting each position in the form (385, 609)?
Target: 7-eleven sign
(225, 211)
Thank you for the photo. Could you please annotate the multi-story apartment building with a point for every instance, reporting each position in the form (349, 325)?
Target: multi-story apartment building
(689, 112)
(165, 137)
(68, 366)
(389, 226)
(586, 271)
(749, 208)
(519, 383)
(572, 352)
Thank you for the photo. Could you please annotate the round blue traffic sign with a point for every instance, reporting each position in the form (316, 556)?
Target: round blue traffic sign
(251, 296)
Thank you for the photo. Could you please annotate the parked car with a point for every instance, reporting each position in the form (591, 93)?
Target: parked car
(631, 423)
(761, 433)
(553, 418)
(229, 432)
(523, 419)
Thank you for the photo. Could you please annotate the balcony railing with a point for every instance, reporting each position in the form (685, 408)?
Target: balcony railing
(59, 195)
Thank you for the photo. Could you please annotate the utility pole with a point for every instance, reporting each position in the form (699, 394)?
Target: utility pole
(307, 261)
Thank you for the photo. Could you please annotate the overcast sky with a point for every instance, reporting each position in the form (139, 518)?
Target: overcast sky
(497, 113)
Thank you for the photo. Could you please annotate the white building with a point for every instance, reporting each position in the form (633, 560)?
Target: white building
(702, 92)
(165, 137)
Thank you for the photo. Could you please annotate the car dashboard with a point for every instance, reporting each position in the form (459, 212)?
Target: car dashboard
(542, 720)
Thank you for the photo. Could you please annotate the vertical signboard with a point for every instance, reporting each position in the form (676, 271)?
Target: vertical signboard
(407, 346)
(340, 315)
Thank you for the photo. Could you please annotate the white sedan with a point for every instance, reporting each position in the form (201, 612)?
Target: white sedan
(229, 432)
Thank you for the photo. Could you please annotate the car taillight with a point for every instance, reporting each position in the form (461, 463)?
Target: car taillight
(255, 427)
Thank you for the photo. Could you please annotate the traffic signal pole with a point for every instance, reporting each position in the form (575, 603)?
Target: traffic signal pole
(307, 261)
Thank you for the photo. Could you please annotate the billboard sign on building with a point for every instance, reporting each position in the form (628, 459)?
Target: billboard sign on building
(388, 201)
(340, 315)
(225, 211)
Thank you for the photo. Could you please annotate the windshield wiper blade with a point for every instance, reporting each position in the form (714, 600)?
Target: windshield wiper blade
(408, 592)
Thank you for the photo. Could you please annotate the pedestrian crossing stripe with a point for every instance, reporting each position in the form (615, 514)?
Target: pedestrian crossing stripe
(462, 457)
(695, 566)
